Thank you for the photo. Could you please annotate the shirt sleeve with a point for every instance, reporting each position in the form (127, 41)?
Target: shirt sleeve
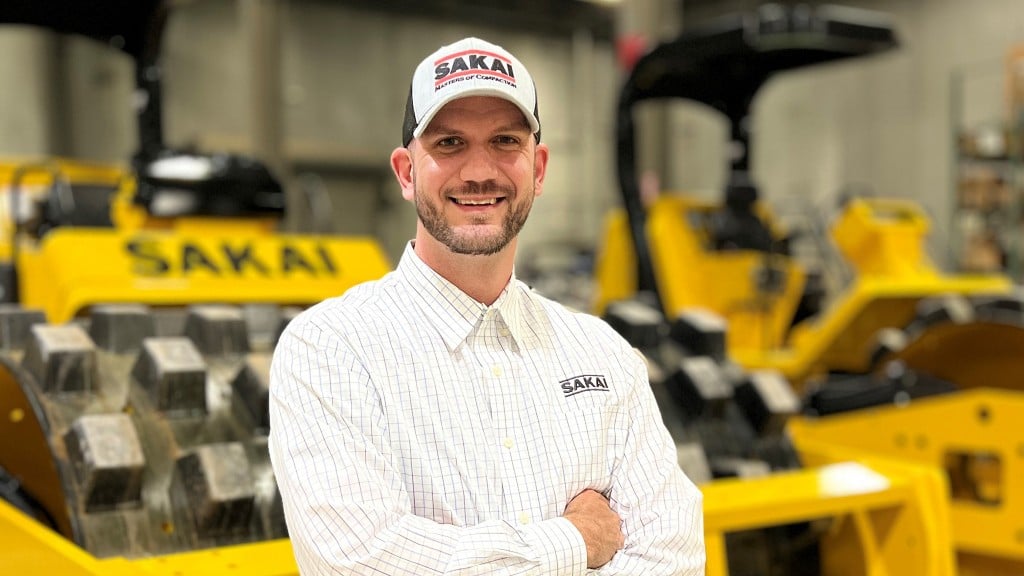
(661, 509)
(346, 506)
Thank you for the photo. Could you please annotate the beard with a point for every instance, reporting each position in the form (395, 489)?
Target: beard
(474, 242)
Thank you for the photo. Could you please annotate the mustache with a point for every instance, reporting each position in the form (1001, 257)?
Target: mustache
(488, 187)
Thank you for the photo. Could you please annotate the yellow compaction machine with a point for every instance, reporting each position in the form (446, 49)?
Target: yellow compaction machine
(141, 304)
(874, 354)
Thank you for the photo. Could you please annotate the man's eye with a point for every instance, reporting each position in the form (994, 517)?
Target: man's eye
(507, 140)
(448, 142)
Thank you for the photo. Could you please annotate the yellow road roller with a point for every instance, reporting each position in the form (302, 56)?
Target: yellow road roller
(140, 306)
(884, 355)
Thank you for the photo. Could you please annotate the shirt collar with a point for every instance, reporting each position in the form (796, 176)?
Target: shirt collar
(453, 312)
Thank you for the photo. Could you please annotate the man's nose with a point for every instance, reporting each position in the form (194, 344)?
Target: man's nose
(479, 166)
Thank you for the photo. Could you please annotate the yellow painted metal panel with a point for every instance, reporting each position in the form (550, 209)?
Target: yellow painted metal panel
(271, 558)
(888, 518)
(31, 548)
(985, 422)
(73, 268)
(615, 268)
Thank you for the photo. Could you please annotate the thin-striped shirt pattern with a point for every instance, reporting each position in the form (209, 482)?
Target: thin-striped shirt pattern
(416, 431)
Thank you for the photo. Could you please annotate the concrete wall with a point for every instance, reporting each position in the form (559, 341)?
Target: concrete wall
(25, 128)
(345, 79)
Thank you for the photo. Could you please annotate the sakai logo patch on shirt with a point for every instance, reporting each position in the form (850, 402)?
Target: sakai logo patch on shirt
(584, 383)
(477, 64)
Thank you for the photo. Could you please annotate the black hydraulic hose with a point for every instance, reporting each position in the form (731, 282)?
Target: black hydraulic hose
(629, 187)
(149, 83)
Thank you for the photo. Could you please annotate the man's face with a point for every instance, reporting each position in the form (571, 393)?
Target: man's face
(475, 174)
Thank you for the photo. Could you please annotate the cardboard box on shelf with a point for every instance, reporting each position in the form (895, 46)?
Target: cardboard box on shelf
(984, 189)
(983, 254)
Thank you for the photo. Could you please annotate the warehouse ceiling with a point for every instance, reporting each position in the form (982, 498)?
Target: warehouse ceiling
(558, 17)
(122, 23)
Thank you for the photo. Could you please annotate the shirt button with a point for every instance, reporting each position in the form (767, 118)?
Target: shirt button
(496, 370)
(503, 332)
(524, 518)
(508, 443)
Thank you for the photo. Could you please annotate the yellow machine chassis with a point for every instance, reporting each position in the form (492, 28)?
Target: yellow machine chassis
(882, 240)
(843, 339)
(975, 436)
(170, 261)
(33, 549)
(214, 262)
(885, 518)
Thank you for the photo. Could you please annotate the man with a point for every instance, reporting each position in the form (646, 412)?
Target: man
(446, 419)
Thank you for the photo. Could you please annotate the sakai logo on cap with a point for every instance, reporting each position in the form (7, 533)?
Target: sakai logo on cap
(469, 67)
(478, 64)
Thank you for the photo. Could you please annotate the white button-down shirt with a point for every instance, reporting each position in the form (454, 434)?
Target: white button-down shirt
(416, 431)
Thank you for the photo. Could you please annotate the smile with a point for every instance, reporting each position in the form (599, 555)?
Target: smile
(476, 201)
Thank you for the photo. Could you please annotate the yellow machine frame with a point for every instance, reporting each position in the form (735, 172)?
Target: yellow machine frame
(29, 547)
(882, 239)
(173, 262)
(884, 518)
(974, 437)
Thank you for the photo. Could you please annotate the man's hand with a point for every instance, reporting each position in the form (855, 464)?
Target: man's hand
(600, 526)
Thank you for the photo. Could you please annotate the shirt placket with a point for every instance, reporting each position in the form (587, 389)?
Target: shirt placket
(506, 406)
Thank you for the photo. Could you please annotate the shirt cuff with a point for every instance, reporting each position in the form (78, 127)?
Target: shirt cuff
(560, 544)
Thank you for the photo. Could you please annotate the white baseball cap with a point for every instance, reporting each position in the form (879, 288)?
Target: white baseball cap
(469, 67)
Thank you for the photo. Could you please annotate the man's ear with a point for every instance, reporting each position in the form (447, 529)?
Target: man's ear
(540, 168)
(401, 165)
